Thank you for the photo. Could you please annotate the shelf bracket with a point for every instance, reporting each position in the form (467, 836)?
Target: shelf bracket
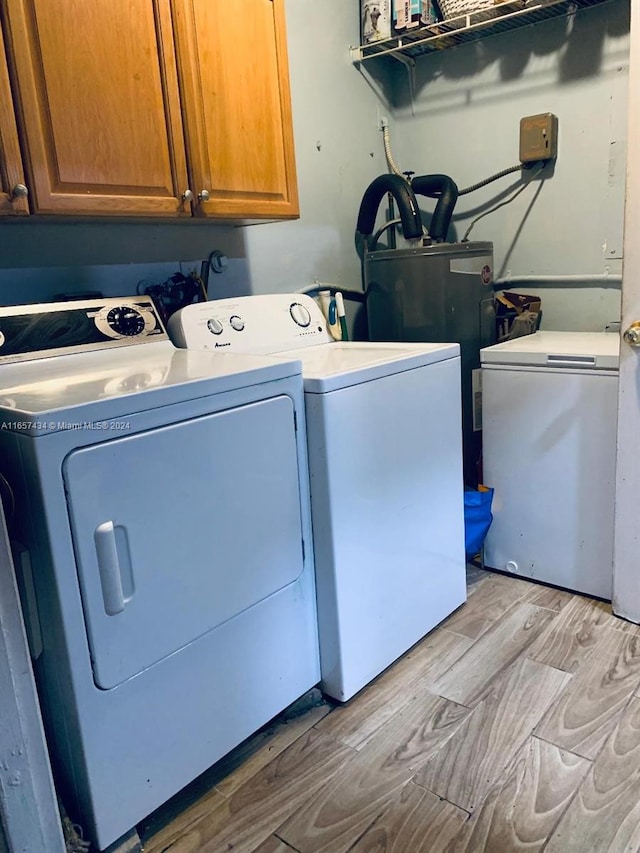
(409, 64)
(410, 67)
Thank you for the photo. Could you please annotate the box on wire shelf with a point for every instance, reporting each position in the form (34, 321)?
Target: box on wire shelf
(408, 14)
(452, 9)
(375, 20)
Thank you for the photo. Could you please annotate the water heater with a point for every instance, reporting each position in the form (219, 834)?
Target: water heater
(438, 293)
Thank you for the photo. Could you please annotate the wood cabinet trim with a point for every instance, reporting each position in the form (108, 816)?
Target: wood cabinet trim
(11, 170)
(285, 104)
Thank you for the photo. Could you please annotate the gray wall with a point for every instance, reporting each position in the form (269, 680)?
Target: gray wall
(463, 122)
(338, 148)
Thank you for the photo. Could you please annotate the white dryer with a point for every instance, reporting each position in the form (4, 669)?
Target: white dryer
(385, 457)
(165, 547)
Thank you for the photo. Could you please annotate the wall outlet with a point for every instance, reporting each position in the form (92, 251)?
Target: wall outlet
(538, 138)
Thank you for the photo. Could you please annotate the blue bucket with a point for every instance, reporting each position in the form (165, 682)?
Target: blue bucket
(477, 519)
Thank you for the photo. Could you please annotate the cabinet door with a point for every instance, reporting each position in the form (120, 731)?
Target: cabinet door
(235, 94)
(11, 172)
(99, 98)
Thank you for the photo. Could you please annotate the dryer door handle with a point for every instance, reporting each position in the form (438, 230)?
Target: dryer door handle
(109, 568)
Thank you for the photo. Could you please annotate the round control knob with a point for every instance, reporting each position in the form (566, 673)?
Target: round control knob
(218, 261)
(125, 321)
(214, 326)
(237, 323)
(299, 314)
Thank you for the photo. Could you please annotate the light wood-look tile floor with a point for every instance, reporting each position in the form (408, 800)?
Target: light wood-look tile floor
(514, 726)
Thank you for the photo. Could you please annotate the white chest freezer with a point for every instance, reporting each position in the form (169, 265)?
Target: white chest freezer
(549, 436)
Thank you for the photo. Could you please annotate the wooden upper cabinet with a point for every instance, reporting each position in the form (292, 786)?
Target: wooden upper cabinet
(234, 79)
(100, 109)
(12, 182)
(148, 108)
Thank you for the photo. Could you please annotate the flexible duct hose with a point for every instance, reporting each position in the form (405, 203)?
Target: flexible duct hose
(405, 199)
(446, 191)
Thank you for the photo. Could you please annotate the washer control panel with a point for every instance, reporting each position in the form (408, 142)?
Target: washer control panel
(62, 328)
(254, 324)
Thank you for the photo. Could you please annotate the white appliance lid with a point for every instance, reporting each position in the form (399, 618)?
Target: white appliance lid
(328, 367)
(579, 350)
(47, 395)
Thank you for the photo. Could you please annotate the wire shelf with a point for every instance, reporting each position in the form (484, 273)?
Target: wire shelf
(499, 18)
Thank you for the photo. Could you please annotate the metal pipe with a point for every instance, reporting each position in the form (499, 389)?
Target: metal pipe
(604, 278)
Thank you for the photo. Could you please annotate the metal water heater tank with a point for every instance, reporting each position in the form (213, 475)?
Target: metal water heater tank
(438, 293)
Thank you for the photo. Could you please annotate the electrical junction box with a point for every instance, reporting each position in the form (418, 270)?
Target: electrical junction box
(538, 137)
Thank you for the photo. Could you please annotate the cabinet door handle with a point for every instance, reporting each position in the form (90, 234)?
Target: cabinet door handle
(203, 195)
(187, 195)
(19, 191)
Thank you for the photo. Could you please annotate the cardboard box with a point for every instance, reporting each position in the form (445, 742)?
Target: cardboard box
(413, 13)
(517, 314)
(375, 20)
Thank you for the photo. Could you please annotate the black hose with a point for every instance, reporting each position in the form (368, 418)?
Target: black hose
(446, 191)
(405, 199)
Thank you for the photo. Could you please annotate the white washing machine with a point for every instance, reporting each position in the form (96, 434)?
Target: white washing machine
(385, 458)
(165, 552)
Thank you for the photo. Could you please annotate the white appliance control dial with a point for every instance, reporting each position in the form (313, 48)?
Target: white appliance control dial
(214, 326)
(124, 320)
(237, 323)
(300, 314)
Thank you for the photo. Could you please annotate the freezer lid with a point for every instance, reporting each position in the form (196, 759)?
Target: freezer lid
(579, 350)
(329, 367)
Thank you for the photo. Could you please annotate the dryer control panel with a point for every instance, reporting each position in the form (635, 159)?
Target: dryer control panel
(62, 328)
(272, 323)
